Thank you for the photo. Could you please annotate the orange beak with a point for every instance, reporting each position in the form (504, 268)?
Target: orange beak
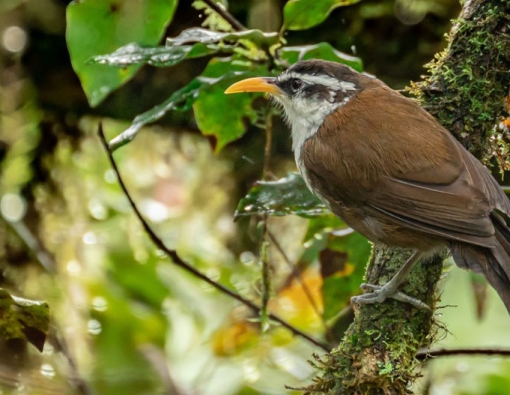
(258, 84)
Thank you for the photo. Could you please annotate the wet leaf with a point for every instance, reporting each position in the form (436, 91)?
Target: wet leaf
(180, 100)
(23, 319)
(228, 126)
(288, 195)
(96, 27)
(134, 54)
(319, 51)
(205, 36)
(226, 116)
(304, 14)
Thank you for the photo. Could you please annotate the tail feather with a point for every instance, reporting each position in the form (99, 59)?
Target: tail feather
(498, 279)
(493, 263)
(502, 252)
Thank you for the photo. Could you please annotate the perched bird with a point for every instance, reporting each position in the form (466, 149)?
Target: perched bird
(391, 171)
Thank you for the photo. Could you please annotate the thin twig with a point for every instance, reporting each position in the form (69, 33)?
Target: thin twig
(269, 141)
(76, 380)
(445, 352)
(264, 254)
(236, 25)
(296, 274)
(186, 266)
(266, 282)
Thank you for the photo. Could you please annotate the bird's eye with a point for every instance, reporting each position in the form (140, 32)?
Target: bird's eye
(296, 84)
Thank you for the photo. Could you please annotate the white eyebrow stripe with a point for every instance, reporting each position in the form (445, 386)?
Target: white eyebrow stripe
(326, 80)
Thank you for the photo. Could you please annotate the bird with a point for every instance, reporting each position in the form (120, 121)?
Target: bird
(391, 172)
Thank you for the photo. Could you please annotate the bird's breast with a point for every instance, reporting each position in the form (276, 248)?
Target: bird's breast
(301, 132)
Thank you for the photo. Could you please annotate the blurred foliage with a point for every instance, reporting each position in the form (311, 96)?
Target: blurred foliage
(123, 318)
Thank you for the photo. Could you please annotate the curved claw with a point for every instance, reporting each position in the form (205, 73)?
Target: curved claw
(379, 294)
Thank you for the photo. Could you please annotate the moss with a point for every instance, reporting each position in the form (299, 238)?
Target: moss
(468, 82)
(377, 354)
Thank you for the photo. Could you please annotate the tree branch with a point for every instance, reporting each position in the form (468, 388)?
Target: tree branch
(445, 352)
(177, 260)
(465, 91)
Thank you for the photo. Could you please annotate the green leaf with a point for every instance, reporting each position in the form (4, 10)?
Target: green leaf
(180, 100)
(288, 195)
(133, 54)
(23, 319)
(97, 27)
(319, 51)
(223, 116)
(342, 254)
(204, 36)
(316, 238)
(206, 94)
(176, 50)
(344, 279)
(304, 14)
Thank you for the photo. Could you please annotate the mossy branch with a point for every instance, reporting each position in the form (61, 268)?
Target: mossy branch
(465, 90)
(466, 85)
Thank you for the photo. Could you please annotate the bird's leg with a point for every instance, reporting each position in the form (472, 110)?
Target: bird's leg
(390, 290)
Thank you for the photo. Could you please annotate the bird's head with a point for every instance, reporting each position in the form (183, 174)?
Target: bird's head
(308, 91)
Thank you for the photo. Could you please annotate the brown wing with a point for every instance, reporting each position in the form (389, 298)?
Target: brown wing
(458, 210)
(411, 170)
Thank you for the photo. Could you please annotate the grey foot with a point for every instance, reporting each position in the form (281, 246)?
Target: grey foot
(380, 293)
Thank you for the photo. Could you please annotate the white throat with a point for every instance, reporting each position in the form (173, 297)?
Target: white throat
(305, 117)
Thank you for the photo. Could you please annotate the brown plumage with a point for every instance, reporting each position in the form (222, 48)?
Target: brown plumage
(394, 174)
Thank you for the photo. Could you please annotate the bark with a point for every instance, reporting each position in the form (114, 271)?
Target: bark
(465, 89)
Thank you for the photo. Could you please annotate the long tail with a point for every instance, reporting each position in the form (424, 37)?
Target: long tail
(493, 263)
